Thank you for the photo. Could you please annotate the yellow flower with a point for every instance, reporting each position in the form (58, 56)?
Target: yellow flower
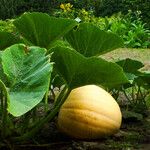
(68, 5)
(68, 9)
(62, 6)
(84, 12)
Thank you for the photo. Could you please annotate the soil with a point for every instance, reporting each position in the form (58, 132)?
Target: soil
(133, 135)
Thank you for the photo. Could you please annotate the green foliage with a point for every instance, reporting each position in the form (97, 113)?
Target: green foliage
(28, 73)
(137, 90)
(103, 8)
(78, 70)
(41, 29)
(129, 27)
(8, 39)
(8, 34)
(130, 66)
(8, 9)
(108, 8)
(13, 8)
(132, 30)
(36, 6)
(7, 25)
(81, 39)
(147, 99)
(25, 70)
(132, 115)
(68, 10)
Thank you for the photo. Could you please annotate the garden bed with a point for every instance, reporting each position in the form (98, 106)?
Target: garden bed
(132, 135)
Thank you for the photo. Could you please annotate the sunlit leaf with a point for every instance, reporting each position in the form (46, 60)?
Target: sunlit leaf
(28, 72)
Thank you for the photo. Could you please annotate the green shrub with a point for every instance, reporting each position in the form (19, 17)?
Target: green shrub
(36, 5)
(130, 27)
(13, 8)
(8, 8)
(132, 30)
(67, 10)
(108, 8)
(7, 26)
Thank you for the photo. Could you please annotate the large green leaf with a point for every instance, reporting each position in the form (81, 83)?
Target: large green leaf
(41, 29)
(28, 71)
(144, 79)
(7, 39)
(89, 40)
(131, 68)
(78, 70)
(130, 65)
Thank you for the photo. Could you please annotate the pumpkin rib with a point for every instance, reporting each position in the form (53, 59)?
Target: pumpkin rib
(90, 116)
(86, 107)
(92, 107)
(85, 131)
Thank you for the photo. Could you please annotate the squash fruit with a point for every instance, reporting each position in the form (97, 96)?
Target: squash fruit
(89, 112)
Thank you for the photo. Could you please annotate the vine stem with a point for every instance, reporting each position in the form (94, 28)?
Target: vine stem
(41, 122)
(2, 106)
(127, 97)
(4, 118)
(4, 99)
(1, 97)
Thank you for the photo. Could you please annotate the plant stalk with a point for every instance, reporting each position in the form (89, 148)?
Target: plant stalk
(4, 117)
(41, 122)
(4, 99)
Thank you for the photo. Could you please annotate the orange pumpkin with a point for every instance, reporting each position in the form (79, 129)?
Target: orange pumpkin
(89, 112)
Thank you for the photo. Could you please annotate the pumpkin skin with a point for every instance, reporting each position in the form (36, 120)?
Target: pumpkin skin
(89, 112)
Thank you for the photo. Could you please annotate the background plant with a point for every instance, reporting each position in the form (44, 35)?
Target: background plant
(7, 25)
(130, 26)
(108, 8)
(8, 9)
(101, 8)
(131, 29)
(133, 97)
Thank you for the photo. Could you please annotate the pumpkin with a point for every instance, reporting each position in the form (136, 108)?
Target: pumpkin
(89, 112)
